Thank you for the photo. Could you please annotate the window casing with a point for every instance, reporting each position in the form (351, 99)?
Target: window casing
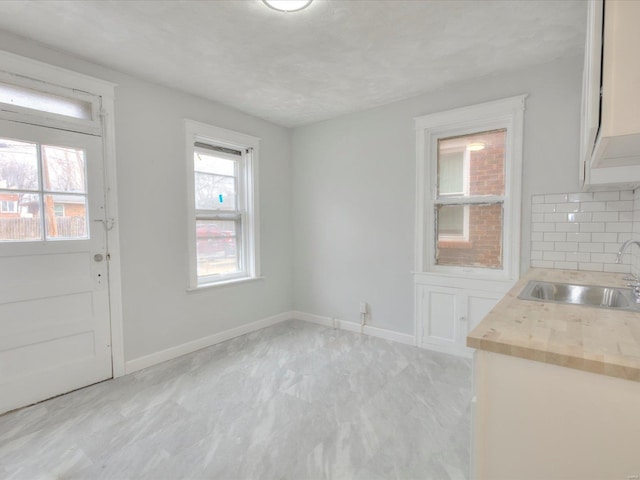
(223, 226)
(451, 208)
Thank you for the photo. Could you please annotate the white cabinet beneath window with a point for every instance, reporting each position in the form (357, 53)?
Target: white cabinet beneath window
(447, 308)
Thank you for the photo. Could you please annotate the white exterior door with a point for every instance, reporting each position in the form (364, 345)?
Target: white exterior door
(54, 298)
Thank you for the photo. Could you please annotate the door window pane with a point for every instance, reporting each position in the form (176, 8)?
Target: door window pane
(24, 224)
(481, 246)
(66, 217)
(29, 212)
(472, 164)
(215, 182)
(18, 165)
(217, 247)
(63, 169)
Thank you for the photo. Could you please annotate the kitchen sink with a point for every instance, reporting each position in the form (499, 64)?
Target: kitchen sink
(587, 295)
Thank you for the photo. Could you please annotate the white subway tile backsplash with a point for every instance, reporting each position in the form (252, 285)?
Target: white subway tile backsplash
(578, 257)
(579, 217)
(546, 227)
(603, 257)
(566, 265)
(554, 256)
(592, 227)
(612, 247)
(584, 230)
(580, 197)
(566, 246)
(619, 227)
(606, 196)
(623, 237)
(621, 206)
(617, 268)
(542, 264)
(555, 198)
(625, 216)
(607, 216)
(551, 217)
(593, 207)
(593, 267)
(543, 208)
(567, 227)
(555, 237)
(578, 237)
(604, 237)
(568, 207)
(626, 195)
(591, 247)
(542, 246)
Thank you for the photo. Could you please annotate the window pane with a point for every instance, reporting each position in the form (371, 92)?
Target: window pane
(451, 221)
(480, 244)
(63, 169)
(23, 224)
(18, 165)
(217, 247)
(472, 164)
(72, 224)
(45, 102)
(215, 182)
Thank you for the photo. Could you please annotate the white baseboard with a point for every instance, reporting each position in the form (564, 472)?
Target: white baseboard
(355, 327)
(189, 347)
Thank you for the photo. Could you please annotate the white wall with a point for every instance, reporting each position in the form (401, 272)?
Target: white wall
(158, 312)
(354, 189)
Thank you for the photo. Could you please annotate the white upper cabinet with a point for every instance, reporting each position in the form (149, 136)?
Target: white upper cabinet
(610, 141)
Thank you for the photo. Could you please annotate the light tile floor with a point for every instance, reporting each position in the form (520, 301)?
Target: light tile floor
(292, 401)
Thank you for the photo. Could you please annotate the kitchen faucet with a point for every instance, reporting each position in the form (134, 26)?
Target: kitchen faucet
(624, 247)
(635, 287)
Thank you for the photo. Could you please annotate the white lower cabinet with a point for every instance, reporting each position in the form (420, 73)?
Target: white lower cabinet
(448, 308)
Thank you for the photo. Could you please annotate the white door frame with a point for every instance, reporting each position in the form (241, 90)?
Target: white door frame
(50, 74)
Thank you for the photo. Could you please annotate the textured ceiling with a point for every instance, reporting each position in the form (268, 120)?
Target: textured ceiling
(335, 57)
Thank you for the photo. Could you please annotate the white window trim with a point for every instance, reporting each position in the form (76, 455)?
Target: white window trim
(506, 113)
(45, 73)
(197, 131)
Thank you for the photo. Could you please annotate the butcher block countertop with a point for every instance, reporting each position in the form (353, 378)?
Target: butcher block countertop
(592, 339)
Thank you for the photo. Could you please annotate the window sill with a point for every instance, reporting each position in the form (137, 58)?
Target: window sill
(226, 283)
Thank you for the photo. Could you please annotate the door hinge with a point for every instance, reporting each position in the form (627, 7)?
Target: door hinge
(108, 256)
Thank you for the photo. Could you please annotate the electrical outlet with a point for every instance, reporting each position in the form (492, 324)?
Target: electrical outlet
(363, 308)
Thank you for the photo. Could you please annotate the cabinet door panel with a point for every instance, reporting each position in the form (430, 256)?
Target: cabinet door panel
(478, 305)
(442, 312)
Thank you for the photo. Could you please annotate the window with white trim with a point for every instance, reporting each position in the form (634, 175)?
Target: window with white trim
(469, 180)
(9, 206)
(223, 242)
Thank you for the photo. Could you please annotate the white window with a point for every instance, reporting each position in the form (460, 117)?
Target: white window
(469, 164)
(223, 227)
(9, 206)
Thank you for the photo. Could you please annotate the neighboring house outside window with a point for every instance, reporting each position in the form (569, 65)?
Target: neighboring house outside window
(223, 226)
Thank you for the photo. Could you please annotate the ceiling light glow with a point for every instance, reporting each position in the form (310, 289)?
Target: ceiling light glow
(476, 146)
(287, 5)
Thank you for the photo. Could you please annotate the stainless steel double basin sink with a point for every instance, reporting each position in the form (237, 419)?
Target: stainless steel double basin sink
(587, 295)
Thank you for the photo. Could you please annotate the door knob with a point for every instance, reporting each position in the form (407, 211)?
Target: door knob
(98, 257)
